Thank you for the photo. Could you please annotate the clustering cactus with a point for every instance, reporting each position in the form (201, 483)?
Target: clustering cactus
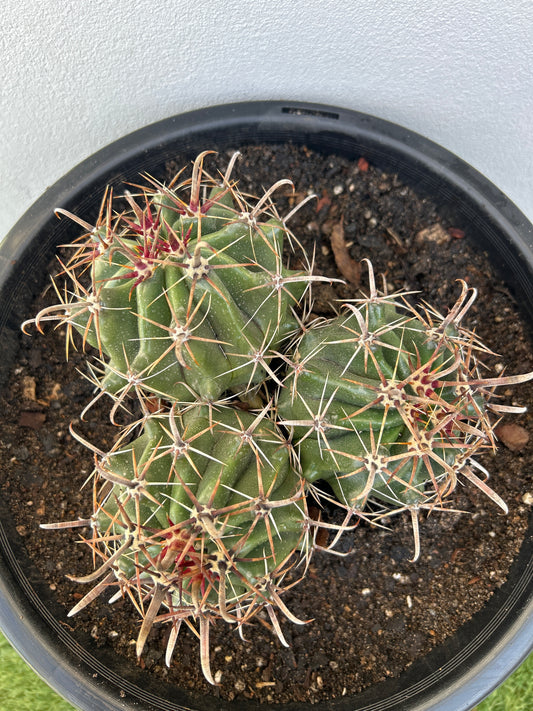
(241, 401)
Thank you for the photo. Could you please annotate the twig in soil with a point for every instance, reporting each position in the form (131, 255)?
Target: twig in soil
(348, 267)
(400, 246)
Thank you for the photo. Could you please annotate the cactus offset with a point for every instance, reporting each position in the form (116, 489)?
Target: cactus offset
(385, 402)
(200, 517)
(186, 300)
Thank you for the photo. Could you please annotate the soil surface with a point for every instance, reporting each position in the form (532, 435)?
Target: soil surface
(374, 611)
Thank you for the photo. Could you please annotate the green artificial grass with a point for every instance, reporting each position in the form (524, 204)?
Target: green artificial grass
(516, 694)
(22, 690)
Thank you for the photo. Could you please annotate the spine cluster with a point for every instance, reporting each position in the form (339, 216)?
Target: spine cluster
(242, 402)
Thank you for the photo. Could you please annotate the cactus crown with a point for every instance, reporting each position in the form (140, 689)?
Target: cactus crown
(239, 401)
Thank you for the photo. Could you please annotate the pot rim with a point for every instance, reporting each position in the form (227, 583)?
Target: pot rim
(484, 651)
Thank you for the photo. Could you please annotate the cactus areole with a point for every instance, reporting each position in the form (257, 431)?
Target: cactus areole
(232, 401)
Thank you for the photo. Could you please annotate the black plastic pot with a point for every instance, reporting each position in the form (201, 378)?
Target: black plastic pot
(455, 676)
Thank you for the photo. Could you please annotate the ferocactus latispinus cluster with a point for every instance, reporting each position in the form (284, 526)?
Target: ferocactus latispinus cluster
(244, 402)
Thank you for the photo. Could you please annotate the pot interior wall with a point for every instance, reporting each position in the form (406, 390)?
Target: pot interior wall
(498, 228)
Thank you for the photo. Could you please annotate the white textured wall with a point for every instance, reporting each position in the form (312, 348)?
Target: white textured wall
(76, 75)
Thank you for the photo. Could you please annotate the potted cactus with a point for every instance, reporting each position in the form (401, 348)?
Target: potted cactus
(235, 406)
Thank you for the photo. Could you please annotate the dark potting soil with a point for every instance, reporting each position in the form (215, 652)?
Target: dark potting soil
(374, 611)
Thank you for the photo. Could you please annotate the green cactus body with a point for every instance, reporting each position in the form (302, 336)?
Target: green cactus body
(199, 324)
(218, 490)
(187, 300)
(374, 400)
